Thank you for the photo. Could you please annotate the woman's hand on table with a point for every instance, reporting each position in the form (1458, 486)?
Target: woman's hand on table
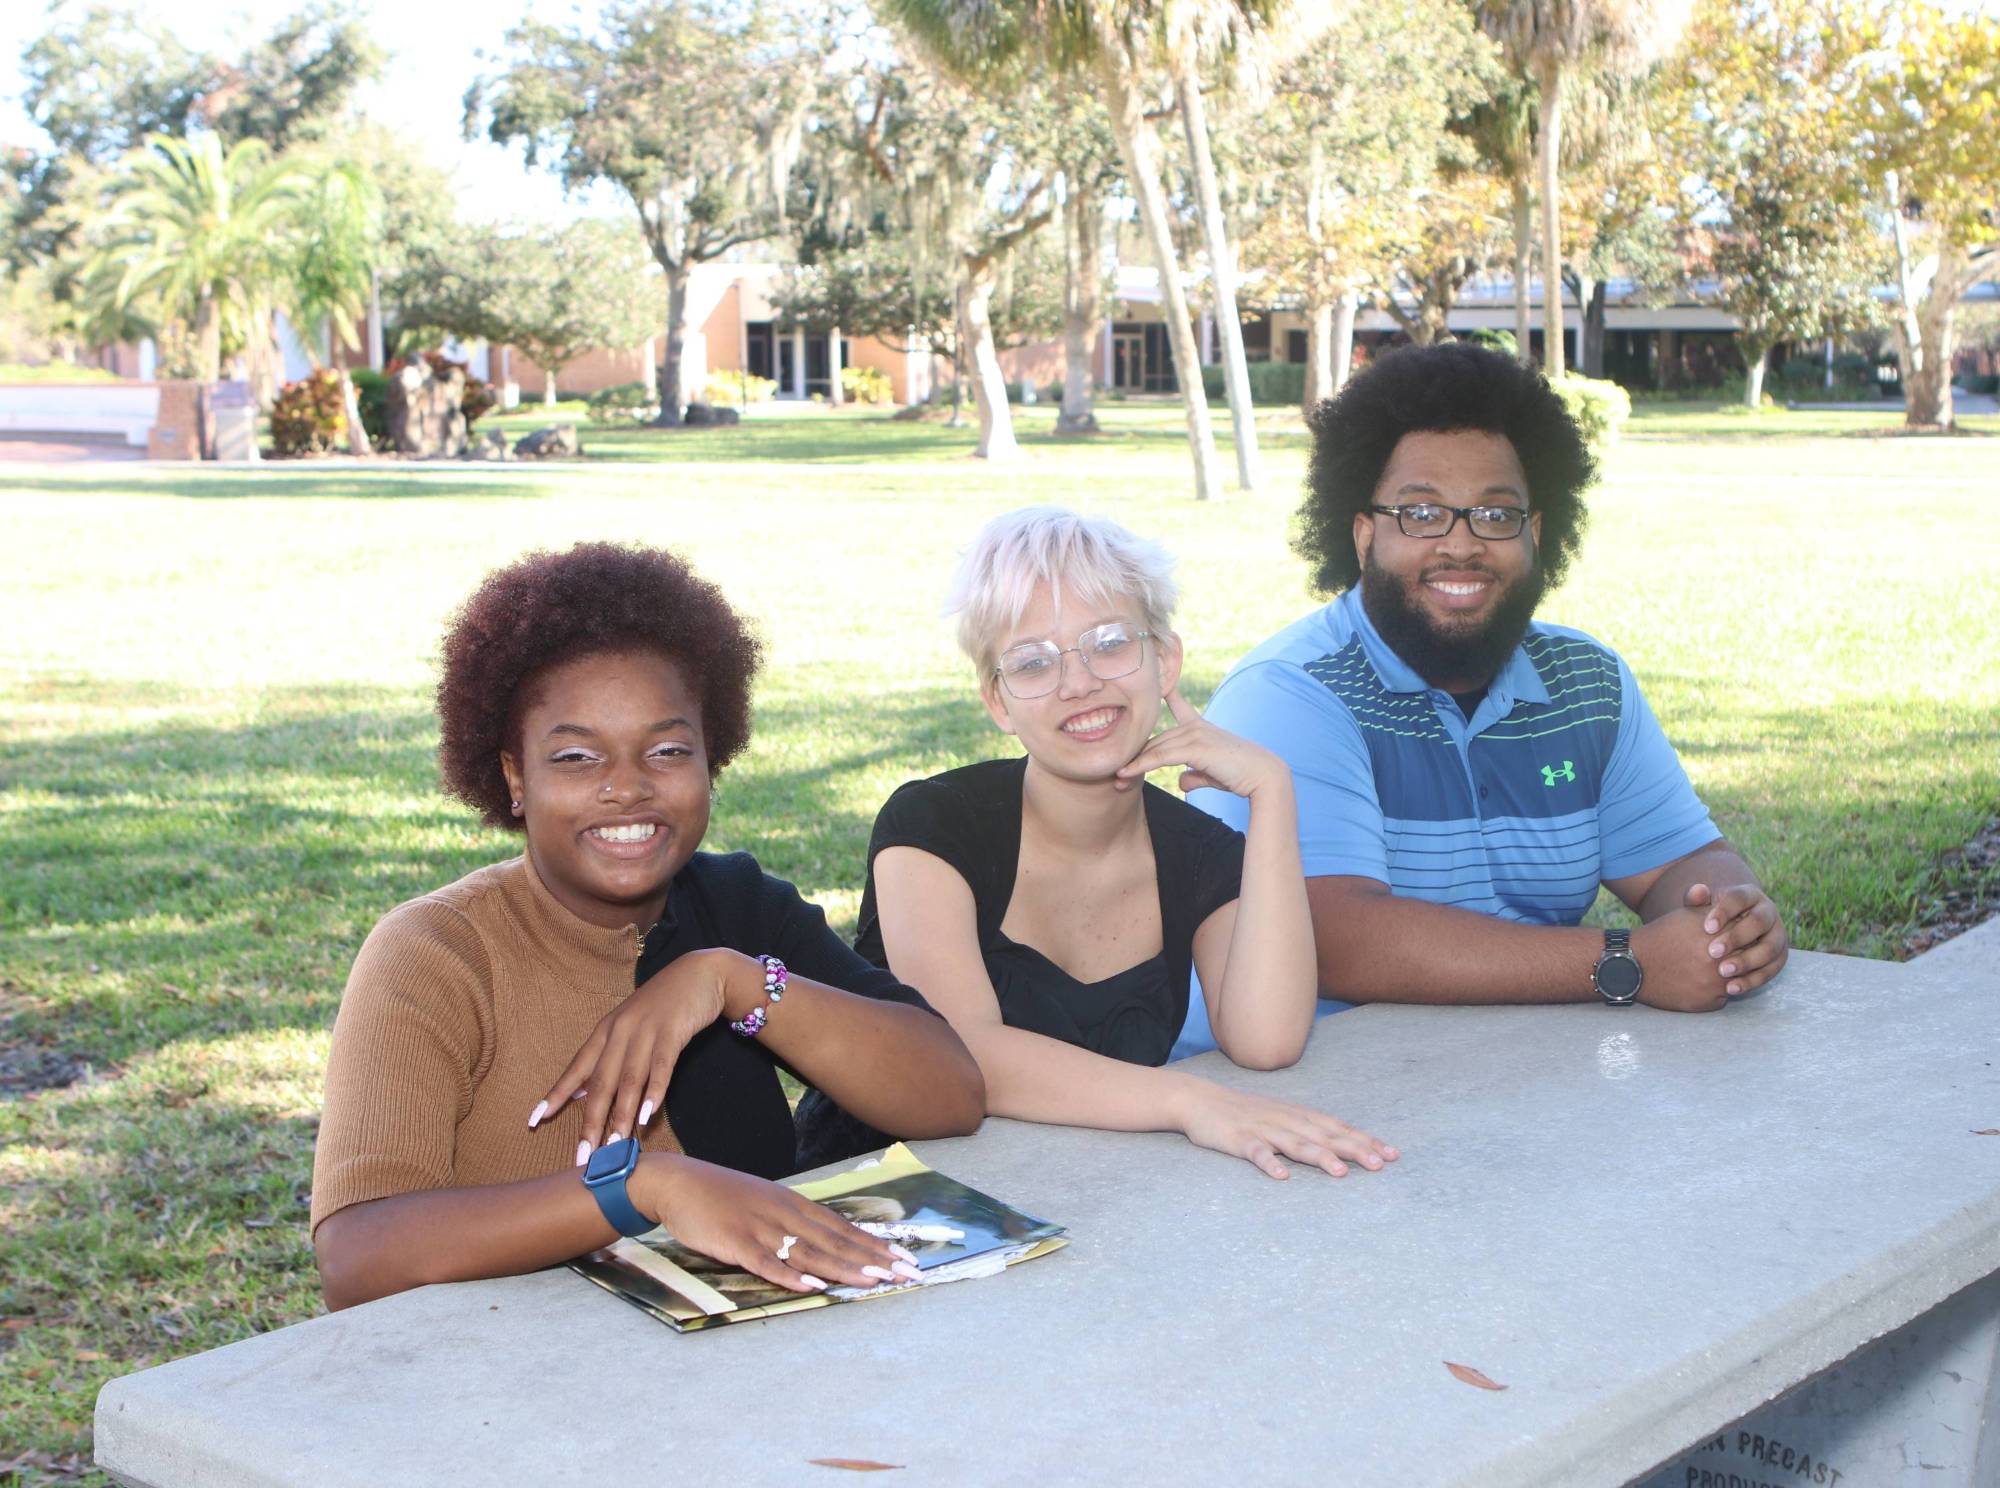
(744, 1221)
(1264, 1132)
(1209, 756)
(622, 1070)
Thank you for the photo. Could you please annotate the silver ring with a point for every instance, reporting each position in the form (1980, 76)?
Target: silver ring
(785, 1250)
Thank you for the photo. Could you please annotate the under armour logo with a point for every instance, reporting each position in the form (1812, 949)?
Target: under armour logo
(1550, 774)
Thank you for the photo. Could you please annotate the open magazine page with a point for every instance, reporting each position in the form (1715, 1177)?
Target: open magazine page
(955, 1232)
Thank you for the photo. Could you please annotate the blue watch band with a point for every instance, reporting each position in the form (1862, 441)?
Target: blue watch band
(605, 1174)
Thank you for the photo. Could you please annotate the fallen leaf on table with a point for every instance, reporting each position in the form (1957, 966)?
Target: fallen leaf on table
(1471, 1376)
(854, 1464)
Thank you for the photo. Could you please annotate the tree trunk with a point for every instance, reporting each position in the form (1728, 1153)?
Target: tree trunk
(1590, 295)
(1755, 360)
(673, 396)
(1927, 398)
(1343, 336)
(1667, 370)
(1083, 225)
(650, 377)
(1319, 349)
(208, 339)
(989, 383)
(1548, 147)
(548, 387)
(835, 393)
(1222, 275)
(1139, 146)
(1524, 268)
(350, 404)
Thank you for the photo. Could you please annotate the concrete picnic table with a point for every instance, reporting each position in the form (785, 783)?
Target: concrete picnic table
(1644, 1225)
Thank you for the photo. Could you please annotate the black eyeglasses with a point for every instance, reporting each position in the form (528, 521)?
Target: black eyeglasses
(1432, 519)
(1033, 669)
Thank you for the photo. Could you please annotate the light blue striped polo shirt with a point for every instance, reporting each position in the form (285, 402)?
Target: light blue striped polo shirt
(1560, 780)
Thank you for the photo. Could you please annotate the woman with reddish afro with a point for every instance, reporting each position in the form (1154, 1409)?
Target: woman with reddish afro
(585, 1040)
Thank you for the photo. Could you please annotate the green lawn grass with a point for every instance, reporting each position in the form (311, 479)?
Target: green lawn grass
(216, 751)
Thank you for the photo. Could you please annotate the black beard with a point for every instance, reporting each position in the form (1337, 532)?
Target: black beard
(1458, 654)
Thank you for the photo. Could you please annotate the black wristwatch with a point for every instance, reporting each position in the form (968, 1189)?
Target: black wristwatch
(1617, 976)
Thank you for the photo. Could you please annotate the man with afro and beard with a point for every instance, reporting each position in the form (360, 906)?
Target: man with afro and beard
(1468, 776)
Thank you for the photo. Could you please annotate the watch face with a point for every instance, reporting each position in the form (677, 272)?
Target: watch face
(1618, 978)
(608, 1162)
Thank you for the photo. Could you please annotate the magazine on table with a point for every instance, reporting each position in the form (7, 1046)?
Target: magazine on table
(955, 1232)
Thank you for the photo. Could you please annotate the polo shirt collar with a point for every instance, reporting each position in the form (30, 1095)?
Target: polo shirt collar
(1516, 682)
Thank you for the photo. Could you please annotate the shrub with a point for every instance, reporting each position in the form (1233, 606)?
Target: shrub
(1495, 340)
(866, 384)
(622, 398)
(1980, 382)
(371, 396)
(734, 389)
(1600, 407)
(1272, 384)
(307, 418)
(19, 372)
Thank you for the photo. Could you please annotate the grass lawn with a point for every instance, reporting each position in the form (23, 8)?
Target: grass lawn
(216, 752)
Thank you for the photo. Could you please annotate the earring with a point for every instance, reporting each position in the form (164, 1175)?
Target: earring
(517, 808)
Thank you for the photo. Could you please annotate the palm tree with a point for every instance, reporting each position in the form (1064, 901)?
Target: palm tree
(1117, 42)
(1546, 40)
(1502, 133)
(198, 237)
(336, 242)
(1189, 30)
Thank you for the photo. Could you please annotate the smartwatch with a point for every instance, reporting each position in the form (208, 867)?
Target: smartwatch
(1617, 976)
(605, 1174)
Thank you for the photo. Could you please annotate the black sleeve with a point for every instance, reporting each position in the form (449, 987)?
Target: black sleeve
(929, 815)
(932, 816)
(1200, 863)
(801, 938)
(1218, 878)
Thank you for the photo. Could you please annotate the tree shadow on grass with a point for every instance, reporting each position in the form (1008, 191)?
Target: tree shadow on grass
(1850, 812)
(190, 880)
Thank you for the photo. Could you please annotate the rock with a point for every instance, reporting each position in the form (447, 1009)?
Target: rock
(710, 416)
(555, 441)
(423, 409)
(492, 445)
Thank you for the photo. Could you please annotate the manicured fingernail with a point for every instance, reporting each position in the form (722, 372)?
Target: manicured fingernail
(878, 1272)
(614, 1137)
(579, 1095)
(1729, 968)
(1716, 948)
(901, 1254)
(537, 1114)
(1734, 988)
(812, 1281)
(908, 1272)
(582, 1153)
(1711, 927)
(645, 1112)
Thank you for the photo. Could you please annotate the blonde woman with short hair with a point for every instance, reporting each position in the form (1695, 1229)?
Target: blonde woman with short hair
(1051, 906)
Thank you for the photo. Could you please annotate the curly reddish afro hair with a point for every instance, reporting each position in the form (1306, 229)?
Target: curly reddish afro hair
(552, 608)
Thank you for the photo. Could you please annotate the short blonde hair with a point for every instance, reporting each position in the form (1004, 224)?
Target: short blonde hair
(1093, 556)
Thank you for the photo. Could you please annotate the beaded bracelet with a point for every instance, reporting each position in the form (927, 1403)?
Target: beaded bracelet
(775, 976)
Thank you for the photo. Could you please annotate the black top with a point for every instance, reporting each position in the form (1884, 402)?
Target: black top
(724, 1099)
(971, 818)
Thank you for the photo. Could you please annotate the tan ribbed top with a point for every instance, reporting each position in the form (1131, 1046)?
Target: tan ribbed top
(462, 1009)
